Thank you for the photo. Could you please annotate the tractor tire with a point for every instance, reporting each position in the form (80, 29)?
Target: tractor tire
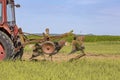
(6, 47)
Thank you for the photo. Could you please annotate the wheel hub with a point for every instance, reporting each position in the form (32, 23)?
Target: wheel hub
(2, 53)
(48, 47)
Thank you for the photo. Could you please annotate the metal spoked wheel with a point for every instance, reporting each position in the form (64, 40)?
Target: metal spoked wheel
(48, 47)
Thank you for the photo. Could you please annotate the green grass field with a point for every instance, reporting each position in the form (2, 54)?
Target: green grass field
(82, 69)
(104, 47)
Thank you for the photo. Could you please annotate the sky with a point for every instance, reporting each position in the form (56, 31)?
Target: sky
(99, 17)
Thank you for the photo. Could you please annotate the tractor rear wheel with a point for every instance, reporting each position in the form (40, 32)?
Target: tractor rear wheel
(6, 46)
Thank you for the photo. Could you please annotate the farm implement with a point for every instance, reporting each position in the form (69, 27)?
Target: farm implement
(13, 40)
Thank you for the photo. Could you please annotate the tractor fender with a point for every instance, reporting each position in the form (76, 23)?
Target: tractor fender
(5, 29)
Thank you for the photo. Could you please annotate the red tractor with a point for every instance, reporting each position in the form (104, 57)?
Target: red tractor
(9, 32)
